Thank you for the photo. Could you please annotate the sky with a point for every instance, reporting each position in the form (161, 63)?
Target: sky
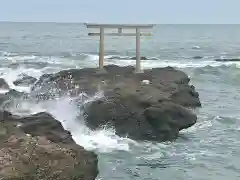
(122, 11)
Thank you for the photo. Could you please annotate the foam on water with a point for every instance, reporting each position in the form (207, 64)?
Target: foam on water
(3, 91)
(158, 62)
(10, 75)
(146, 64)
(91, 60)
(19, 58)
(103, 140)
(67, 110)
(197, 126)
(196, 47)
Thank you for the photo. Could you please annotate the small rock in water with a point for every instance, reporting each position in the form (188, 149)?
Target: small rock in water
(25, 81)
(3, 84)
(15, 93)
(197, 57)
(142, 58)
(228, 60)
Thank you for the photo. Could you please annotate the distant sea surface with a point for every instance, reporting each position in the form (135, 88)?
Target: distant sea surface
(210, 150)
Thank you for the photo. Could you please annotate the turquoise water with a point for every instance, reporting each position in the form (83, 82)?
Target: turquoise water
(207, 151)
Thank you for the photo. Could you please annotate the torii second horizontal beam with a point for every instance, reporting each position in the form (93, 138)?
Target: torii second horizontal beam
(120, 34)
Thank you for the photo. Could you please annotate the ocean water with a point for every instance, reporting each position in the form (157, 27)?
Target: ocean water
(210, 150)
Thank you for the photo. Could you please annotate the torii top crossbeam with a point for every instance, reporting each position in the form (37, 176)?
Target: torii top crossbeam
(126, 26)
(137, 27)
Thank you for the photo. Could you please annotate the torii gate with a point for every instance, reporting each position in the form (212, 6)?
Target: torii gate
(137, 27)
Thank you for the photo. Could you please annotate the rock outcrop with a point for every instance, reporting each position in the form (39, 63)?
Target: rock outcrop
(142, 58)
(228, 60)
(37, 147)
(7, 97)
(197, 57)
(25, 81)
(154, 105)
(3, 84)
(43, 124)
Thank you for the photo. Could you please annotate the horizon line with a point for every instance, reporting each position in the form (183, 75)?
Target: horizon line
(63, 22)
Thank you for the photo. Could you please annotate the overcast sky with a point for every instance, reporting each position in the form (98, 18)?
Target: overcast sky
(122, 11)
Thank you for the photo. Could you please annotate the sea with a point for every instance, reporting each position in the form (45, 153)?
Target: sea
(209, 150)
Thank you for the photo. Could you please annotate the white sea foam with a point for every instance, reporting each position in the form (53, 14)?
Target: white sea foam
(156, 62)
(15, 59)
(10, 75)
(67, 110)
(146, 64)
(3, 91)
(196, 47)
(197, 126)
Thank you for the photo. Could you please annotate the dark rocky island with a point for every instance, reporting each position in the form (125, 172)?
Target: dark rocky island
(154, 105)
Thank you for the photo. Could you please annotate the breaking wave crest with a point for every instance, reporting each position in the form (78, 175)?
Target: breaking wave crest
(82, 60)
(67, 109)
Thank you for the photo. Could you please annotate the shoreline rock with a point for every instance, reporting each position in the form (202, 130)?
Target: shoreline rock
(156, 110)
(36, 147)
(25, 80)
(3, 84)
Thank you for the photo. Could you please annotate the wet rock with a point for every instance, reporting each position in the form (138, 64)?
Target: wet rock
(24, 157)
(3, 84)
(228, 60)
(5, 115)
(43, 124)
(145, 115)
(3, 98)
(14, 65)
(129, 103)
(182, 93)
(28, 151)
(15, 94)
(7, 98)
(43, 80)
(197, 57)
(25, 81)
(141, 58)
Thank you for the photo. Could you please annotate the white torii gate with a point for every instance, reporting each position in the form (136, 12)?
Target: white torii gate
(137, 27)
